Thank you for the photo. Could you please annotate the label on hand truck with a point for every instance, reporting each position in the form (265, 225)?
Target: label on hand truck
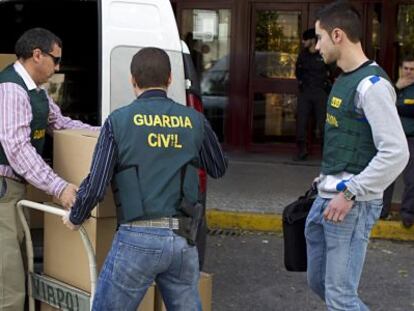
(58, 294)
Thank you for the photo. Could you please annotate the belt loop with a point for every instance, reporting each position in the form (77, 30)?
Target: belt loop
(170, 222)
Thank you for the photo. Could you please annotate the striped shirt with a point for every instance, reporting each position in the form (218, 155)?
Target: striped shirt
(92, 189)
(15, 118)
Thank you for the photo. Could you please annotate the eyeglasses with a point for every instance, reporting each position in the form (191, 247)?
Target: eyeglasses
(56, 60)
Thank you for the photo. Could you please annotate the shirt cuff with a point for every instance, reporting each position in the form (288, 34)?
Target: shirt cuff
(352, 187)
(73, 220)
(57, 187)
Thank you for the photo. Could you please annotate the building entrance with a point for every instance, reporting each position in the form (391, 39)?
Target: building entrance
(245, 52)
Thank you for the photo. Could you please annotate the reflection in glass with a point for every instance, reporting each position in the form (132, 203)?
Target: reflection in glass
(277, 43)
(405, 31)
(207, 34)
(274, 117)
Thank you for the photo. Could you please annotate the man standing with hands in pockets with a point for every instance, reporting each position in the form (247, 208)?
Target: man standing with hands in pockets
(364, 151)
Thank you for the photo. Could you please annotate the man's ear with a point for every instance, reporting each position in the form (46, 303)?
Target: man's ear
(36, 54)
(337, 35)
(169, 80)
(133, 82)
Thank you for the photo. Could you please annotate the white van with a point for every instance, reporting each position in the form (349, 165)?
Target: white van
(99, 39)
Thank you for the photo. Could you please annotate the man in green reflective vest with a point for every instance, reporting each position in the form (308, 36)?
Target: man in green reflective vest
(364, 151)
(27, 113)
(150, 150)
(405, 99)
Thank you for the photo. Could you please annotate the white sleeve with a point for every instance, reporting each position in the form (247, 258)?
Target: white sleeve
(376, 99)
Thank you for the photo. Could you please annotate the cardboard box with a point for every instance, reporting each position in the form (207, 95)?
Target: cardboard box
(147, 304)
(205, 288)
(64, 256)
(6, 59)
(72, 157)
(35, 217)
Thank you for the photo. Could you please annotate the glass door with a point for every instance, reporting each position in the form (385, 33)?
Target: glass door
(275, 44)
(208, 35)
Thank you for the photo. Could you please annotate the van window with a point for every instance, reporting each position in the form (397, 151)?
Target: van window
(121, 89)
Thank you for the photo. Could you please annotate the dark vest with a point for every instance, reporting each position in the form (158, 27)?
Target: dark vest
(348, 144)
(40, 111)
(155, 138)
(405, 96)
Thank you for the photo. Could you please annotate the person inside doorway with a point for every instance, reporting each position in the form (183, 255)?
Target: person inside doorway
(314, 84)
(405, 98)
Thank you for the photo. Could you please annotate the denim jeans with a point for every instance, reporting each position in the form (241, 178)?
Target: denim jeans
(336, 253)
(138, 257)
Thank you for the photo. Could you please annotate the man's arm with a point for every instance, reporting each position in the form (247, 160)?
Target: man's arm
(299, 68)
(378, 105)
(59, 122)
(92, 189)
(212, 158)
(16, 115)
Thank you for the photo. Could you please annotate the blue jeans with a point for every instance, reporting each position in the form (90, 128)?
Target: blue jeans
(138, 257)
(336, 253)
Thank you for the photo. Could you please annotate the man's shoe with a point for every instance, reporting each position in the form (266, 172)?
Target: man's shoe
(407, 223)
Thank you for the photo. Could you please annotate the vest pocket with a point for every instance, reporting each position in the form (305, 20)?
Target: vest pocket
(127, 194)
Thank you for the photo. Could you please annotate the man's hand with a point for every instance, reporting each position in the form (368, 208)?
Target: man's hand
(66, 221)
(68, 196)
(315, 183)
(404, 82)
(338, 208)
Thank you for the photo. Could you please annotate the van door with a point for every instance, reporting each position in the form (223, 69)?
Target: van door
(127, 26)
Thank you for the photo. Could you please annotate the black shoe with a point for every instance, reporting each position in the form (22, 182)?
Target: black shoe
(385, 217)
(407, 223)
(300, 157)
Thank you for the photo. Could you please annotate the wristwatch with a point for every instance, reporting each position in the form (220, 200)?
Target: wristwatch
(348, 195)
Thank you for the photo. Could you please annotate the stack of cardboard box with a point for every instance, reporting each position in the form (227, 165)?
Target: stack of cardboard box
(64, 256)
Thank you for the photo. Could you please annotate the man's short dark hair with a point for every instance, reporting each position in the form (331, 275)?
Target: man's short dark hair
(309, 34)
(408, 58)
(36, 38)
(341, 14)
(151, 67)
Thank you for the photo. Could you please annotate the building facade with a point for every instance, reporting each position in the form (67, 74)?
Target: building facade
(245, 52)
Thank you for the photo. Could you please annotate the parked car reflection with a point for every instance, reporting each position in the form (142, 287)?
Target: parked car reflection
(214, 93)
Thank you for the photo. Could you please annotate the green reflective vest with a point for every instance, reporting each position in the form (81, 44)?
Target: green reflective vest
(348, 143)
(405, 96)
(155, 138)
(40, 111)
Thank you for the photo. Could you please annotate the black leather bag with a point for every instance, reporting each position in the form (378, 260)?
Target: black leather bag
(294, 219)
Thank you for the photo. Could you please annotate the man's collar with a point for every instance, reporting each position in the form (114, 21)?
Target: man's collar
(153, 93)
(22, 72)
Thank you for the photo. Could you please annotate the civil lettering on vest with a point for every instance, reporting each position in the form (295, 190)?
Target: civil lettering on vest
(163, 140)
(331, 120)
(336, 102)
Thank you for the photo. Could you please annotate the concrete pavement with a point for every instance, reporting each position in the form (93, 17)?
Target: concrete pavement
(257, 187)
(249, 274)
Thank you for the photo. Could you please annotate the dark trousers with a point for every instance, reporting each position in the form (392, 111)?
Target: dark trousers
(311, 102)
(407, 202)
